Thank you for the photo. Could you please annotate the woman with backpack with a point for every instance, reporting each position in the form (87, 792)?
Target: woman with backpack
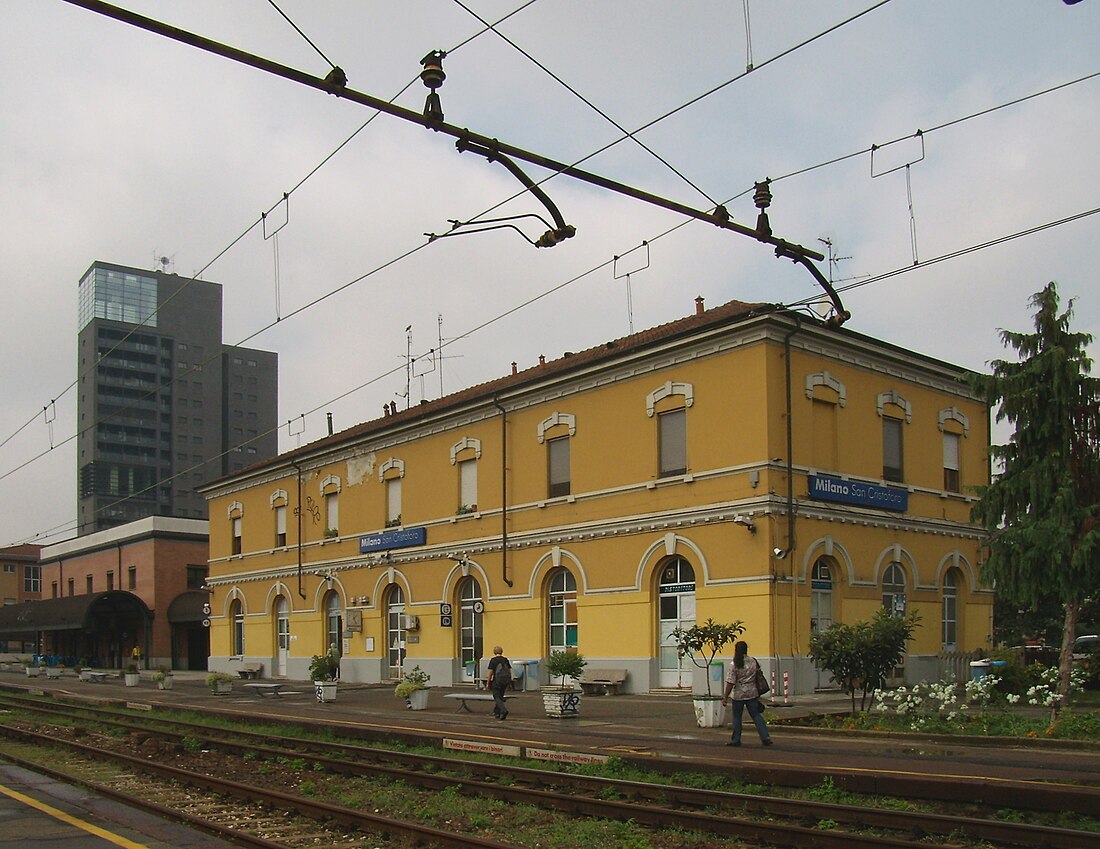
(498, 678)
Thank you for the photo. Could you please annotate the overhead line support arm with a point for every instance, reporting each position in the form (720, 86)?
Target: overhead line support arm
(334, 84)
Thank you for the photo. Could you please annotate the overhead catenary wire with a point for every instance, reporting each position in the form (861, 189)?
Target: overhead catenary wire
(298, 30)
(572, 90)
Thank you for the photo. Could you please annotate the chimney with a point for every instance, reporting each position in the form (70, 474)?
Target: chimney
(699, 308)
(386, 409)
(514, 369)
(329, 415)
(542, 360)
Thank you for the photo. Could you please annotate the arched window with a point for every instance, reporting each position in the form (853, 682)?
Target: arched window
(563, 610)
(470, 611)
(395, 629)
(236, 613)
(893, 589)
(950, 610)
(821, 596)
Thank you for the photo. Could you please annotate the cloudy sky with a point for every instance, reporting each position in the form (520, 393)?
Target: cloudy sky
(119, 145)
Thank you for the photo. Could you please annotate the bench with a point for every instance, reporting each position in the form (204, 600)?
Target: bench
(471, 697)
(250, 670)
(274, 689)
(596, 682)
(96, 677)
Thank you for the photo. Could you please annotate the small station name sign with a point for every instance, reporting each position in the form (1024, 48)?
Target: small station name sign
(859, 493)
(393, 539)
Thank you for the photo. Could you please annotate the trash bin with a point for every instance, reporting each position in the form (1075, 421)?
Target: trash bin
(530, 674)
(997, 666)
(468, 671)
(980, 668)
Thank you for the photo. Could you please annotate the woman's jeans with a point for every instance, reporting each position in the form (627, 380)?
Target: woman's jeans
(756, 711)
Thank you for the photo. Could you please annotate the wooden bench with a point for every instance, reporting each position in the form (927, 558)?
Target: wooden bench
(471, 697)
(596, 682)
(274, 689)
(250, 670)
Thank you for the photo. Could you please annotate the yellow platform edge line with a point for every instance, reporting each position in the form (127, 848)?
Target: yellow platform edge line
(71, 820)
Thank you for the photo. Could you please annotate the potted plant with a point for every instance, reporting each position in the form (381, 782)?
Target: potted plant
(414, 688)
(219, 683)
(563, 700)
(31, 667)
(131, 676)
(700, 644)
(163, 677)
(324, 669)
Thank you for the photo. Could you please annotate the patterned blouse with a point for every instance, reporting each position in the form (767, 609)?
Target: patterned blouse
(743, 680)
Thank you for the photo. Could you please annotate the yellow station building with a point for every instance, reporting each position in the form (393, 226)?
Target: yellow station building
(742, 463)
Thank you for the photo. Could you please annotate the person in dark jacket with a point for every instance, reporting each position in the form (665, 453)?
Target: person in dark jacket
(498, 679)
(741, 683)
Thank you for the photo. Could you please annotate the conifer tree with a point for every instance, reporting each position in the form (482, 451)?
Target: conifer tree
(1041, 507)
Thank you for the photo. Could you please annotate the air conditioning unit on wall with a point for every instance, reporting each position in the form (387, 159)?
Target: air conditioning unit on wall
(411, 623)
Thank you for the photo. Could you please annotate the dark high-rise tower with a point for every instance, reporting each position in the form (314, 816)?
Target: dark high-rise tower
(163, 406)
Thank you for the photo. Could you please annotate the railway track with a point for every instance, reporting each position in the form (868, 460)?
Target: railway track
(736, 816)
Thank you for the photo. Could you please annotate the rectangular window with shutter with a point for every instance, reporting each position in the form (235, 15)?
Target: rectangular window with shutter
(557, 452)
(892, 468)
(951, 462)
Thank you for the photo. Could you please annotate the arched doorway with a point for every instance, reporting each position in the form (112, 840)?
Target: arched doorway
(675, 609)
(282, 635)
(562, 601)
(236, 615)
(334, 623)
(471, 610)
(395, 630)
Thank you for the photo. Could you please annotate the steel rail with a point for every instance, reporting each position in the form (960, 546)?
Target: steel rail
(384, 762)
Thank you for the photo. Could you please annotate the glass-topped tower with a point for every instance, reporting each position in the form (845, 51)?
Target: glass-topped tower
(163, 406)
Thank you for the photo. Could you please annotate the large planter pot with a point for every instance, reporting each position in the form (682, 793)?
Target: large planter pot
(561, 702)
(325, 690)
(418, 699)
(53, 672)
(709, 711)
(32, 671)
(131, 679)
(165, 683)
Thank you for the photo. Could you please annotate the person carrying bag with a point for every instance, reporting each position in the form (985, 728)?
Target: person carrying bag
(746, 682)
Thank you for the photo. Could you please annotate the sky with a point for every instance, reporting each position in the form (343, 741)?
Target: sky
(929, 145)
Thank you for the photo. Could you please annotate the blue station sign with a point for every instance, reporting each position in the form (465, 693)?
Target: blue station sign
(859, 493)
(393, 539)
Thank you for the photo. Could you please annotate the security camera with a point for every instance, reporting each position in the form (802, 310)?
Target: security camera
(746, 521)
(779, 553)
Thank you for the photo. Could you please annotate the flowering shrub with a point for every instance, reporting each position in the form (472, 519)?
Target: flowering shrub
(980, 707)
(1046, 693)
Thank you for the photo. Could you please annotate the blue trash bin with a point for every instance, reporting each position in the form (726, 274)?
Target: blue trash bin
(980, 668)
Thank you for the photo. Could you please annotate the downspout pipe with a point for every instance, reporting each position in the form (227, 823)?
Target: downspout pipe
(503, 491)
(790, 547)
(790, 434)
(298, 511)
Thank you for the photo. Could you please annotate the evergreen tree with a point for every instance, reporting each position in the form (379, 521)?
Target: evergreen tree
(1041, 507)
